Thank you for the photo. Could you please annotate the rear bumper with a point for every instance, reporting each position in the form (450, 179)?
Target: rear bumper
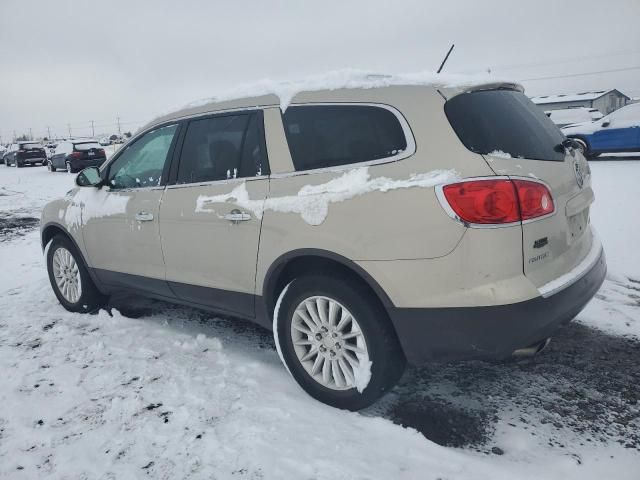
(31, 161)
(444, 334)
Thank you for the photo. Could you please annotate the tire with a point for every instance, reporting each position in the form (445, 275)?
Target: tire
(68, 167)
(84, 299)
(371, 333)
(51, 167)
(585, 149)
(17, 164)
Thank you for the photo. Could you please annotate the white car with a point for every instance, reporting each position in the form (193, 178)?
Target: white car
(570, 116)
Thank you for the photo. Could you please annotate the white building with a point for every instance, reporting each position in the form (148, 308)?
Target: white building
(604, 100)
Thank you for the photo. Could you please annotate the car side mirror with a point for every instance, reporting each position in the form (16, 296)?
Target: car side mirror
(606, 123)
(89, 177)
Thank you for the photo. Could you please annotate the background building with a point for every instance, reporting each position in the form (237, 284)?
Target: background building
(604, 100)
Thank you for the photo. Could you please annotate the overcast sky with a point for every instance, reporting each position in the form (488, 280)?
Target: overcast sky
(74, 61)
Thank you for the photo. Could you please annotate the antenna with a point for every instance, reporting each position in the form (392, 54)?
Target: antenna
(446, 58)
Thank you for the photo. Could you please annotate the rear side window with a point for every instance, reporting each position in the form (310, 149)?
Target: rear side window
(505, 121)
(322, 136)
(222, 147)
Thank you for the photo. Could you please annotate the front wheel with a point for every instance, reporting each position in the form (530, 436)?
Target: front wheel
(70, 278)
(336, 340)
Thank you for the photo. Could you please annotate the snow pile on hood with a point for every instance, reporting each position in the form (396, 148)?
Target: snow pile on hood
(312, 201)
(345, 78)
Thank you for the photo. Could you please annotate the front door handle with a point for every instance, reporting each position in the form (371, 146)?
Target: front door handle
(236, 216)
(144, 216)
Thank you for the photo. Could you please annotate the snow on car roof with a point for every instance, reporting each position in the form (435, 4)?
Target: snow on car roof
(269, 92)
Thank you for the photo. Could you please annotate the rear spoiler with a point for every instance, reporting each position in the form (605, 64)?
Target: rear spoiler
(448, 93)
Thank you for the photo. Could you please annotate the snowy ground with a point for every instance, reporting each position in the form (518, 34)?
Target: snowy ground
(158, 391)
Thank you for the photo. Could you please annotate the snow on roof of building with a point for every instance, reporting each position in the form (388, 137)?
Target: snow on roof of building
(572, 97)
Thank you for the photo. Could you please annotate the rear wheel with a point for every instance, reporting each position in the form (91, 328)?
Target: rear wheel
(70, 278)
(69, 169)
(336, 341)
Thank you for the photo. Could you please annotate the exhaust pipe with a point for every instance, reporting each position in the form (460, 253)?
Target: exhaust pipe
(532, 350)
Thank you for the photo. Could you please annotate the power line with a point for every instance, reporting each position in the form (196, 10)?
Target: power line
(581, 74)
(564, 61)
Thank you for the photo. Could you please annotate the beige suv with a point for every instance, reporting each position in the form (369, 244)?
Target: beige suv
(366, 227)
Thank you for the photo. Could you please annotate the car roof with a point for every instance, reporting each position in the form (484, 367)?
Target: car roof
(339, 86)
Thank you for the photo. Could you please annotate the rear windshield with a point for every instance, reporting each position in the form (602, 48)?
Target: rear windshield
(86, 146)
(504, 121)
(30, 146)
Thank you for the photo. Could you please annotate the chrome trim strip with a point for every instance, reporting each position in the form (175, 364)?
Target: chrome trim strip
(577, 272)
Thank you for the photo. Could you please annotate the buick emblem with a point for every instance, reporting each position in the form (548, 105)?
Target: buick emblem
(577, 169)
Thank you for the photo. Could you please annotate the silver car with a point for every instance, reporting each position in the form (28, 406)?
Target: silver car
(367, 227)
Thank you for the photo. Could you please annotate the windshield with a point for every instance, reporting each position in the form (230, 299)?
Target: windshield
(87, 146)
(504, 121)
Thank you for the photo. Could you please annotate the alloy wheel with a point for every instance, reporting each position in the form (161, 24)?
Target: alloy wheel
(67, 275)
(329, 342)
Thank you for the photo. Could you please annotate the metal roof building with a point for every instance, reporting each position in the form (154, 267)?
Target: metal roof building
(604, 100)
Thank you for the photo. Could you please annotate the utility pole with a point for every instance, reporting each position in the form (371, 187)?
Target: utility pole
(93, 132)
(30, 134)
(118, 120)
(49, 133)
(69, 126)
(14, 136)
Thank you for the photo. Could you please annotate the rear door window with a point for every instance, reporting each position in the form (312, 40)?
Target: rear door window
(223, 147)
(504, 121)
(322, 136)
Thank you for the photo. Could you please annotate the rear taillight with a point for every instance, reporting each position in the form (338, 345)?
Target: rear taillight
(76, 154)
(101, 151)
(534, 198)
(498, 201)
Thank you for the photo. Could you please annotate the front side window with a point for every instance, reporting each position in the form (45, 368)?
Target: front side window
(142, 163)
(506, 121)
(322, 136)
(222, 147)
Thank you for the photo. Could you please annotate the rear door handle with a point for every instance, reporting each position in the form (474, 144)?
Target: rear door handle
(144, 216)
(236, 216)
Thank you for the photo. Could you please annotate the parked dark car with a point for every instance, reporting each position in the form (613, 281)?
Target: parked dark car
(77, 155)
(25, 153)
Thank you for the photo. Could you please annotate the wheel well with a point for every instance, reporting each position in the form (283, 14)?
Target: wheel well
(581, 139)
(300, 265)
(51, 231)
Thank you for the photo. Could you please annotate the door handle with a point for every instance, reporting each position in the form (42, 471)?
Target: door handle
(236, 216)
(144, 216)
